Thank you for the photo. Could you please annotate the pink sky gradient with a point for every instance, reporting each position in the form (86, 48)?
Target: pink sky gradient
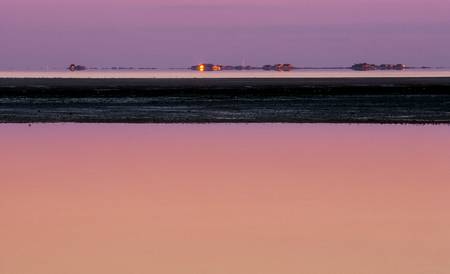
(160, 33)
(222, 199)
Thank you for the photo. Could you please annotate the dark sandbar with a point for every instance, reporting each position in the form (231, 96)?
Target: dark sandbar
(318, 100)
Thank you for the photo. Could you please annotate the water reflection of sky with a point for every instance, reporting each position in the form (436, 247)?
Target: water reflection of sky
(223, 74)
(224, 199)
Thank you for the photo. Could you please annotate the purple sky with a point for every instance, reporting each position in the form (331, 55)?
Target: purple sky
(161, 33)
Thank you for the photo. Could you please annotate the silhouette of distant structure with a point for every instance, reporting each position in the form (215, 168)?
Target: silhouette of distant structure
(207, 67)
(364, 67)
(392, 67)
(279, 67)
(74, 67)
(367, 67)
(212, 67)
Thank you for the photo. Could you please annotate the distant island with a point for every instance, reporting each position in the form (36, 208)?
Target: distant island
(366, 67)
(204, 67)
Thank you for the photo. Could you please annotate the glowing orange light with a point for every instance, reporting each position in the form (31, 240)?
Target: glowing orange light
(201, 68)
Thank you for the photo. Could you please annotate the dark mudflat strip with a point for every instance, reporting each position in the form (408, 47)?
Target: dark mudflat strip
(348, 100)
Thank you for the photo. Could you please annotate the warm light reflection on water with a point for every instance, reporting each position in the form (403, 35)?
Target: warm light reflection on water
(222, 74)
(322, 199)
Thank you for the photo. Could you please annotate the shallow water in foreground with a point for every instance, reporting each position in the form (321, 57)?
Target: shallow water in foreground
(265, 198)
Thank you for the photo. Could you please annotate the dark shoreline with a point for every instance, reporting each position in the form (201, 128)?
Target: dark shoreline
(238, 100)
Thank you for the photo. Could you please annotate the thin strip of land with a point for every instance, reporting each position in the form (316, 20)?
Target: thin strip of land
(238, 100)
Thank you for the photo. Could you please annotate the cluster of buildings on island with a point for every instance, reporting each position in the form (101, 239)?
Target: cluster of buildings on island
(279, 67)
(366, 67)
(276, 67)
(289, 67)
(212, 67)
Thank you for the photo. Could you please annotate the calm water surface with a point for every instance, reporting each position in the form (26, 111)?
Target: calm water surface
(223, 74)
(189, 199)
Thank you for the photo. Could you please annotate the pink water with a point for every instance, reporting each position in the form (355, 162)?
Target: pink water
(223, 74)
(269, 198)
